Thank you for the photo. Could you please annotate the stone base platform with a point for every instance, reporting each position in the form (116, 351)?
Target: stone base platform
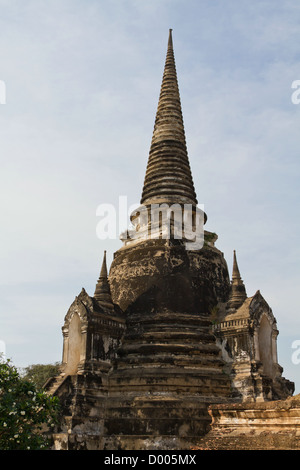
(273, 425)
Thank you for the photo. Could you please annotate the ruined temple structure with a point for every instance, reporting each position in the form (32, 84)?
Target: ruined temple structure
(246, 331)
(166, 334)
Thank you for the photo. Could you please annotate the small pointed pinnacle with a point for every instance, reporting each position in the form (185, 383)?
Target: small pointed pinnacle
(238, 291)
(102, 291)
(103, 273)
(235, 268)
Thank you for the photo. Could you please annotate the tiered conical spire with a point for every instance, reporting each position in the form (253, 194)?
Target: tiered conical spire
(238, 291)
(102, 292)
(235, 269)
(168, 177)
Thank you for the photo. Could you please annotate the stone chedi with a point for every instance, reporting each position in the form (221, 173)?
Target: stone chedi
(247, 332)
(145, 356)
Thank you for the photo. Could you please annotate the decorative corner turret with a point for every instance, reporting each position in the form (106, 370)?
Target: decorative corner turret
(102, 292)
(238, 293)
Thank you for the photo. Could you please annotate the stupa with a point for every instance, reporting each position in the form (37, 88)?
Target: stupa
(145, 356)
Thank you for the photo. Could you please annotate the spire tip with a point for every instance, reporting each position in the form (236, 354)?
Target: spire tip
(170, 42)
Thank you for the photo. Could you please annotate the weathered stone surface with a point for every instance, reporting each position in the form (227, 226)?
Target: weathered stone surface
(247, 336)
(168, 365)
(165, 368)
(273, 425)
(159, 275)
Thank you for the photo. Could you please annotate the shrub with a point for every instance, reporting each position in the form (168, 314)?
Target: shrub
(27, 413)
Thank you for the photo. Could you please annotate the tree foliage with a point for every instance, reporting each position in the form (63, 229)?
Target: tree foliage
(39, 373)
(27, 413)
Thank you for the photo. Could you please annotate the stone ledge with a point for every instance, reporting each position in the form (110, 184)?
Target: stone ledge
(273, 425)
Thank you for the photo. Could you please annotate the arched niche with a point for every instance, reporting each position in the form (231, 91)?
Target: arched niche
(265, 345)
(74, 344)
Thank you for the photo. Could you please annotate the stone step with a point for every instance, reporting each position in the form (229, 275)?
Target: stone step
(168, 373)
(52, 384)
(175, 334)
(146, 348)
(167, 360)
(151, 413)
(182, 320)
(142, 415)
(151, 381)
(138, 442)
(184, 426)
(158, 406)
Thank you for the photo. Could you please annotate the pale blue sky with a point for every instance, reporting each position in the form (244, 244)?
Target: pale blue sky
(82, 81)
